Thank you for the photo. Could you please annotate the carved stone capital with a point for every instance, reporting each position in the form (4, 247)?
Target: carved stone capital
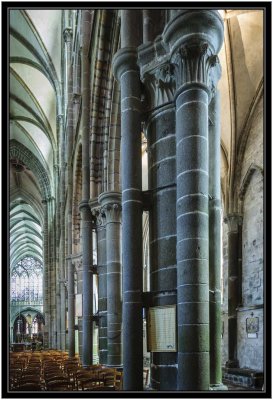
(112, 212)
(67, 34)
(196, 64)
(99, 217)
(233, 220)
(60, 118)
(111, 206)
(76, 98)
(160, 84)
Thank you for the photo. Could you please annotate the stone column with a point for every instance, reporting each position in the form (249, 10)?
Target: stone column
(87, 242)
(234, 222)
(87, 266)
(111, 206)
(160, 131)
(46, 276)
(62, 312)
(215, 244)
(102, 282)
(127, 71)
(71, 307)
(194, 37)
(148, 26)
(69, 143)
(79, 291)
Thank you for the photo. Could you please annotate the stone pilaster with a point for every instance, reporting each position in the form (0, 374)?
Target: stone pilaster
(100, 221)
(126, 71)
(194, 39)
(234, 222)
(111, 207)
(160, 132)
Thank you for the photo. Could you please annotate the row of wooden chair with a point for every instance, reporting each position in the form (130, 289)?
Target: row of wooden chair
(54, 370)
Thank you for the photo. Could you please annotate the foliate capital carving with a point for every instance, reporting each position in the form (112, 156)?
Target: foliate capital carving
(99, 217)
(195, 63)
(160, 84)
(112, 212)
(111, 206)
(67, 34)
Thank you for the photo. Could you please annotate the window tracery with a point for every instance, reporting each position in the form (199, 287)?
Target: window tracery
(27, 281)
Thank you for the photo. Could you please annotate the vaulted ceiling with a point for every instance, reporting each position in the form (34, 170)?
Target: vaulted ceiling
(34, 79)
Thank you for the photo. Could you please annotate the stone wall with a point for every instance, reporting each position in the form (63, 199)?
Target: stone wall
(224, 293)
(250, 191)
(250, 350)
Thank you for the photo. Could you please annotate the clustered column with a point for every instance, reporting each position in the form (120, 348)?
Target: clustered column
(127, 71)
(234, 222)
(111, 207)
(193, 57)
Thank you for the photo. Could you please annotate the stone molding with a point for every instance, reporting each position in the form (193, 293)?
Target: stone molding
(124, 59)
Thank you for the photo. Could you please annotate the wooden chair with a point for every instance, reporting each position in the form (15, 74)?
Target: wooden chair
(29, 387)
(84, 379)
(59, 385)
(33, 379)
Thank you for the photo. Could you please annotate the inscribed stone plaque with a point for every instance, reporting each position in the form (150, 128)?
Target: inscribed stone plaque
(78, 311)
(161, 329)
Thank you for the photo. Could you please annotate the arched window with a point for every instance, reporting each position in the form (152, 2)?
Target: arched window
(27, 282)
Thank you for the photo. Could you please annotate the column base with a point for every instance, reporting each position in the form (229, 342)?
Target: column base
(232, 364)
(218, 386)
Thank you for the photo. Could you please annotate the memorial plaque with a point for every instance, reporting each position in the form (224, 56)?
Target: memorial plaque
(252, 327)
(161, 329)
(78, 311)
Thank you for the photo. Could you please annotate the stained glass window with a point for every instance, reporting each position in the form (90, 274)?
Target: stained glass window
(27, 281)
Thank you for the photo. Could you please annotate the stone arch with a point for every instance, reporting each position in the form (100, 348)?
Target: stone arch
(20, 152)
(247, 178)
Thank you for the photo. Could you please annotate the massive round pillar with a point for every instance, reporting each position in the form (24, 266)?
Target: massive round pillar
(194, 38)
(111, 207)
(161, 148)
(127, 71)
